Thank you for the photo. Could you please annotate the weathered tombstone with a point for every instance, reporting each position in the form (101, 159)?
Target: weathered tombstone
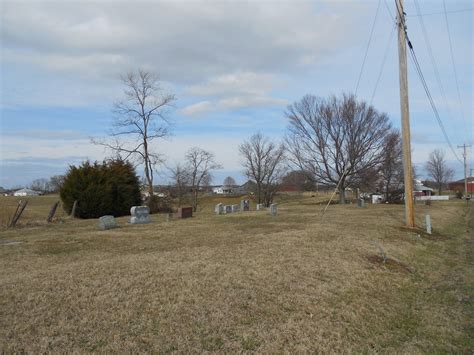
(140, 215)
(428, 223)
(168, 217)
(259, 206)
(273, 209)
(185, 212)
(227, 209)
(52, 212)
(219, 209)
(361, 203)
(235, 208)
(244, 205)
(107, 222)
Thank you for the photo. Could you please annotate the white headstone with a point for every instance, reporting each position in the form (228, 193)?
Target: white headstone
(107, 222)
(259, 206)
(219, 209)
(273, 209)
(140, 215)
(235, 208)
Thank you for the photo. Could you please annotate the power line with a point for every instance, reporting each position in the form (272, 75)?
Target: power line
(441, 13)
(367, 48)
(383, 63)
(425, 85)
(432, 58)
(461, 107)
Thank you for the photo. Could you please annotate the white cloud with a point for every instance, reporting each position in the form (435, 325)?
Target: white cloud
(197, 108)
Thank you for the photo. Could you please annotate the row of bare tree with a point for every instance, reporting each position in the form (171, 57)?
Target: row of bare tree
(337, 141)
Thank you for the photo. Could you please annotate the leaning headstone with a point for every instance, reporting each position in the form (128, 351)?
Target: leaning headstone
(235, 208)
(227, 209)
(361, 203)
(219, 209)
(273, 209)
(244, 205)
(259, 206)
(107, 222)
(73, 211)
(140, 215)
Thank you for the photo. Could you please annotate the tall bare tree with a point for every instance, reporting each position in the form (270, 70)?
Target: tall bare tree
(229, 181)
(338, 139)
(438, 170)
(263, 161)
(391, 169)
(200, 163)
(141, 117)
(181, 180)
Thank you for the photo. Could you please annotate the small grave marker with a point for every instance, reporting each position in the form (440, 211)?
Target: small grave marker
(140, 215)
(227, 209)
(361, 203)
(235, 208)
(259, 206)
(219, 209)
(273, 209)
(107, 222)
(185, 212)
(245, 205)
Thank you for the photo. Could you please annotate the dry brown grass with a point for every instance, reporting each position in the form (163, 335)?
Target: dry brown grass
(245, 282)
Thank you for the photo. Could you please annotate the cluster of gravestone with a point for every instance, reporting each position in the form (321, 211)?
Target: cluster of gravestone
(244, 206)
(141, 215)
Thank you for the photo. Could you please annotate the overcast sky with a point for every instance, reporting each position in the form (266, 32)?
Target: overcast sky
(233, 65)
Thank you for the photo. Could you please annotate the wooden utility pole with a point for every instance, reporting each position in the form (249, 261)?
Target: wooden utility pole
(405, 113)
(464, 155)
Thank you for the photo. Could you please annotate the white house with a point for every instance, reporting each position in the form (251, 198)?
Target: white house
(26, 192)
(223, 190)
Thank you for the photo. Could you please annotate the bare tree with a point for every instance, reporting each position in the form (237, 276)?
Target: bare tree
(229, 181)
(140, 118)
(438, 170)
(263, 162)
(391, 169)
(181, 179)
(199, 165)
(339, 140)
(40, 185)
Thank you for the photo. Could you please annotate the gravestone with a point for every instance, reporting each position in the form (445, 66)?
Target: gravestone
(259, 206)
(361, 203)
(235, 208)
(227, 209)
(185, 212)
(107, 222)
(245, 205)
(140, 215)
(219, 209)
(273, 209)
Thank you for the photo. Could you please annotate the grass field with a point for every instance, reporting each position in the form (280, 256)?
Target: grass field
(297, 282)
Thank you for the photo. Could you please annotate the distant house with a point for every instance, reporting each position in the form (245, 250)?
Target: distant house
(26, 192)
(224, 190)
(421, 190)
(459, 185)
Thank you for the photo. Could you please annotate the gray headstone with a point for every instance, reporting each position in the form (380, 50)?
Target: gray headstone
(259, 206)
(235, 208)
(245, 205)
(107, 222)
(219, 209)
(361, 203)
(273, 209)
(140, 215)
(227, 209)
